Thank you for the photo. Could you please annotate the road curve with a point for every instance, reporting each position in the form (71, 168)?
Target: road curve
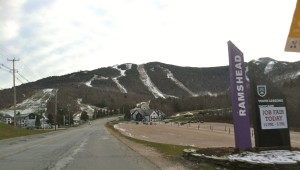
(85, 147)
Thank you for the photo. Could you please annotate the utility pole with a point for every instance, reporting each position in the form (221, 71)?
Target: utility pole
(55, 110)
(15, 95)
(68, 105)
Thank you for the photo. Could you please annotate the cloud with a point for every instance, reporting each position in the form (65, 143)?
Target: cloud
(10, 14)
(55, 37)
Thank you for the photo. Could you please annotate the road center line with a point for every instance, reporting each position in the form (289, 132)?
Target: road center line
(66, 160)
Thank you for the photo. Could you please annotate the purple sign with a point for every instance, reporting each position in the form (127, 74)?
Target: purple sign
(239, 97)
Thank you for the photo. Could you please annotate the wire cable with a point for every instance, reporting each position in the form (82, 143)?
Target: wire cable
(23, 77)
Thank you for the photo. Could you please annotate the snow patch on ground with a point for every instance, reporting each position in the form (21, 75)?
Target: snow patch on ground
(268, 157)
(148, 83)
(177, 82)
(123, 130)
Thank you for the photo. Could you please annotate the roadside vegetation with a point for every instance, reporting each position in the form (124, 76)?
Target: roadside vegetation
(9, 131)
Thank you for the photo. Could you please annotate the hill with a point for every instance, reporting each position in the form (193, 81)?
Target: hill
(170, 88)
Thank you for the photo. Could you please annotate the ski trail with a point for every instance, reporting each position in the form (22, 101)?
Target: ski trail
(120, 86)
(148, 83)
(96, 77)
(122, 74)
(177, 82)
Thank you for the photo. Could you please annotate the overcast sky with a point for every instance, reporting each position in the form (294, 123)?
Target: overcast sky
(56, 37)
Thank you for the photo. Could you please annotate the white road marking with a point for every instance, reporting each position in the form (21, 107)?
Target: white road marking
(66, 160)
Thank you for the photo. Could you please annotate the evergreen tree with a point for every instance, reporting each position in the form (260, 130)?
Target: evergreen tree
(37, 121)
(84, 116)
(50, 119)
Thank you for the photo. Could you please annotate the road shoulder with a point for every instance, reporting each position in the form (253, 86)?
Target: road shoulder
(154, 156)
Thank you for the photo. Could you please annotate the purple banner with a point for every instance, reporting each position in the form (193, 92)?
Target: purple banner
(239, 97)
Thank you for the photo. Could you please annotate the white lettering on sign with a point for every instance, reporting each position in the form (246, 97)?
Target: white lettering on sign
(240, 85)
(273, 117)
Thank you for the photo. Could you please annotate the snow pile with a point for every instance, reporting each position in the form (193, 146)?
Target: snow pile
(148, 83)
(177, 82)
(35, 103)
(268, 157)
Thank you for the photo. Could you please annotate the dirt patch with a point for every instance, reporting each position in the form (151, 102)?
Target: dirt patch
(208, 135)
(204, 135)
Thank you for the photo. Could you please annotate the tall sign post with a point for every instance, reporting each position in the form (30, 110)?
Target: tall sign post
(293, 40)
(239, 97)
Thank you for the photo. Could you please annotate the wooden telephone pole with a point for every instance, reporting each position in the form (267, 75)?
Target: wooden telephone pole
(15, 94)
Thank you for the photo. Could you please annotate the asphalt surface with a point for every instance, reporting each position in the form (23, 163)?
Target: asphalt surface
(85, 147)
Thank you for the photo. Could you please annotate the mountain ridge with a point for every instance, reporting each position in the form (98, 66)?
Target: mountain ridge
(148, 81)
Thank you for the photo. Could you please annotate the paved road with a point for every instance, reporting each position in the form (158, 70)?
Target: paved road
(86, 147)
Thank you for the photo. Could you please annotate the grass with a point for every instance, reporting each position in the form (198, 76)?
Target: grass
(9, 131)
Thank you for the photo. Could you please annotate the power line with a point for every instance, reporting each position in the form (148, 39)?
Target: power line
(19, 80)
(5, 52)
(23, 77)
(30, 70)
(5, 66)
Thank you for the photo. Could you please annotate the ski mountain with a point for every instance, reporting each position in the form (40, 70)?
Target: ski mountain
(146, 81)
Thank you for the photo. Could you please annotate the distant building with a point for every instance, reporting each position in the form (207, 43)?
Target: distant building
(27, 120)
(142, 112)
(148, 115)
(31, 118)
(7, 119)
(21, 120)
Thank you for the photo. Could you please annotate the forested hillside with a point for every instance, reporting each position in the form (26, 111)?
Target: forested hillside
(170, 88)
